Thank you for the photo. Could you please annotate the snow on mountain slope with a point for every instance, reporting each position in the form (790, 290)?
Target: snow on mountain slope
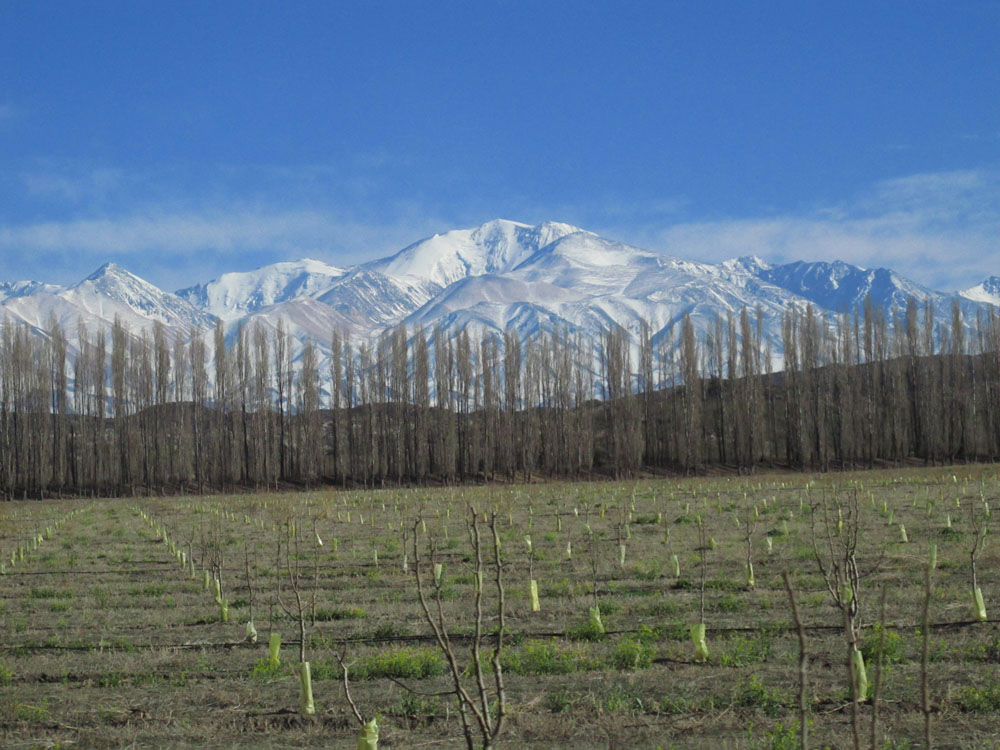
(614, 283)
(838, 285)
(746, 264)
(494, 247)
(526, 319)
(110, 292)
(111, 287)
(493, 303)
(491, 290)
(986, 292)
(10, 289)
(304, 319)
(584, 283)
(38, 310)
(234, 295)
(370, 299)
(586, 263)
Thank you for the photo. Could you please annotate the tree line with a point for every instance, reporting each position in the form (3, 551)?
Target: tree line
(150, 412)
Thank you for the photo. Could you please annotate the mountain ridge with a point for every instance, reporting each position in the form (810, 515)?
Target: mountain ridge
(501, 274)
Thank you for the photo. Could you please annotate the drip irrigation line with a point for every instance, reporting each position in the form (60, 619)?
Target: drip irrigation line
(429, 637)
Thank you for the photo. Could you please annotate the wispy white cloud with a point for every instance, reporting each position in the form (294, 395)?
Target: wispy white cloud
(942, 229)
(183, 248)
(177, 234)
(183, 224)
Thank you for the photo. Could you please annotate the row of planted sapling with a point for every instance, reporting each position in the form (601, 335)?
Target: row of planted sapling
(622, 531)
(26, 543)
(211, 560)
(289, 596)
(836, 559)
(585, 562)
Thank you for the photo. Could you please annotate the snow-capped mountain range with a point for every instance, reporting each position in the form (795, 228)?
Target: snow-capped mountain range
(498, 275)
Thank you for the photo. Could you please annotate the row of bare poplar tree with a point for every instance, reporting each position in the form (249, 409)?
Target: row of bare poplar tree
(156, 412)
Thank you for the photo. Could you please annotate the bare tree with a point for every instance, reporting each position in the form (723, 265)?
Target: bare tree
(482, 709)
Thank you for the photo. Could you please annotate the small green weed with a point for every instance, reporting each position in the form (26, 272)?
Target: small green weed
(676, 631)
(741, 651)
(585, 632)
(892, 645)
(622, 699)
(632, 655)
(647, 634)
(674, 705)
(265, 668)
(752, 693)
(400, 663)
(557, 701)
(730, 603)
(980, 700)
(549, 657)
(988, 652)
(415, 706)
(779, 738)
(663, 609)
(32, 714)
(388, 630)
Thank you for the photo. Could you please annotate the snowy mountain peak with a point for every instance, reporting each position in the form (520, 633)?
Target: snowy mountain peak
(12, 289)
(114, 284)
(497, 246)
(986, 291)
(749, 264)
(112, 279)
(236, 294)
(108, 270)
(310, 265)
(500, 232)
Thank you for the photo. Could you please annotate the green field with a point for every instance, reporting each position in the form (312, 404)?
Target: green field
(109, 637)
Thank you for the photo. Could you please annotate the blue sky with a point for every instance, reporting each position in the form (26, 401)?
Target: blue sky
(186, 139)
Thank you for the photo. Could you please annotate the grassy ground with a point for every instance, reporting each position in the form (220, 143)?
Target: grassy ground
(106, 640)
